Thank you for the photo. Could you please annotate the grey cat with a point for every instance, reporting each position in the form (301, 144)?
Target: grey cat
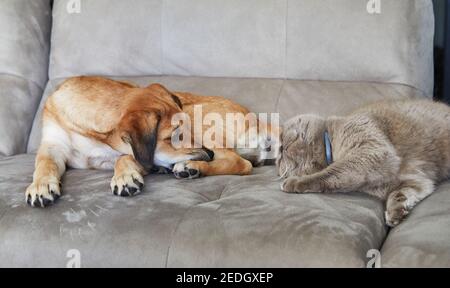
(394, 150)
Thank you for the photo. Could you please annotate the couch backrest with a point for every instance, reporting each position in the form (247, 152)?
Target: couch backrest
(300, 39)
(24, 53)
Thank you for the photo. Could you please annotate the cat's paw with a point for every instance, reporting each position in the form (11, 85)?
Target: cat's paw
(299, 185)
(395, 216)
(396, 209)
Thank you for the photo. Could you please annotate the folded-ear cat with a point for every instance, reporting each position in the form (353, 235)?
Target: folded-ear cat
(394, 150)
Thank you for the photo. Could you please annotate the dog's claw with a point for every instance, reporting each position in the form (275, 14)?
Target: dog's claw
(132, 190)
(138, 183)
(45, 202)
(127, 185)
(183, 171)
(55, 195)
(36, 203)
(43, 193)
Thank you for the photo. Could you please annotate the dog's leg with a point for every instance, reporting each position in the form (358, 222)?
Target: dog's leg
(127, 179)
(225, 162)
(50, 166)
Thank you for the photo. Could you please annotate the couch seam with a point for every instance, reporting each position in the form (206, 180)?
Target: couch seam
(262, 78)
(182, 219)
(175, 231)
(38, 100)
(161, 31)
(366, 82)
(277, 103)
(286, 37)
(383, 241)
(221, 192)
(3, 214)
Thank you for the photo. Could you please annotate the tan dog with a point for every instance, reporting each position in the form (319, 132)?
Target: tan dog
(98, 123)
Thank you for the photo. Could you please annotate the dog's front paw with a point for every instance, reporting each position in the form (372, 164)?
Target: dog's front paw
(187, 170)
(299, 185)
(127, 184)
(43, 192)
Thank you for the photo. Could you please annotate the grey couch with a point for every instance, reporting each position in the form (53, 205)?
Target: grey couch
(286, 56)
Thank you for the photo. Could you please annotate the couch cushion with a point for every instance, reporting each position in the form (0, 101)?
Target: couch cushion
(25, 39)
(340, 40)
(24, 48)
(423, 240)
(287, 97)
(20, 99)
(214, 222)
(253, 38)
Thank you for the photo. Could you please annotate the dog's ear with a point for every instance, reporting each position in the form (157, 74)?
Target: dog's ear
(177, 100)
(163, 89)
(140, 130)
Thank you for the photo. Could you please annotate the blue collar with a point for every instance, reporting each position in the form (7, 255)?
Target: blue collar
(328, 151)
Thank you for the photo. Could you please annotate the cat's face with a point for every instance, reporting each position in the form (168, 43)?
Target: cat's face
(302, 150)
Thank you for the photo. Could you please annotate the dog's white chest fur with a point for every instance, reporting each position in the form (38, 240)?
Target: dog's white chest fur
(79, 151)
(90, 154)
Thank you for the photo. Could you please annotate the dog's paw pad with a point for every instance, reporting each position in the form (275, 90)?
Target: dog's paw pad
(127, 184)
(184, 171)
(126, 191)
(43, 193)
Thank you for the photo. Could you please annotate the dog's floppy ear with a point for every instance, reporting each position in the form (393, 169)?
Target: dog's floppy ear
(177, 100)
(174, 97)
(140, 130)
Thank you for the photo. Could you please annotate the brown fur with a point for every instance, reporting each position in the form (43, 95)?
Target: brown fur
(98, 123)
(395, 150)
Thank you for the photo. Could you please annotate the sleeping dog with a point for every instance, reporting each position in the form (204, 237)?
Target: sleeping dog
(98, 123)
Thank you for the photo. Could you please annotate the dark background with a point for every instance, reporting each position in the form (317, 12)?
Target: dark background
(442, 50)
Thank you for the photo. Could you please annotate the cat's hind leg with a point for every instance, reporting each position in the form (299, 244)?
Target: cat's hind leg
(405, 197)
